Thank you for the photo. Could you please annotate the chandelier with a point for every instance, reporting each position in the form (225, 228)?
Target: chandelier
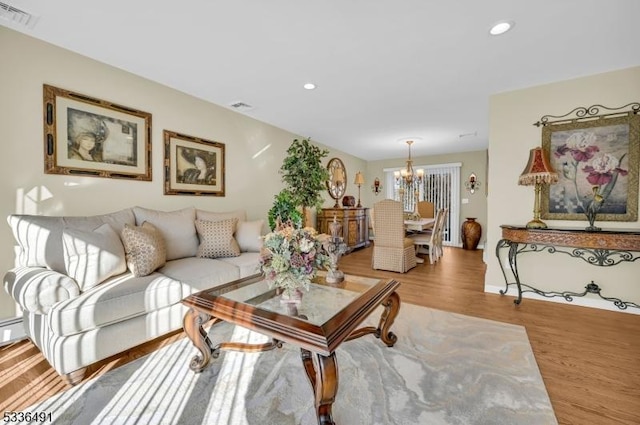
(409, 175)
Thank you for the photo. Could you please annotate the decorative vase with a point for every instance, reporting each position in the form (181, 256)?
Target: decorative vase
(291, 296)
(348, 201)
(471, 233)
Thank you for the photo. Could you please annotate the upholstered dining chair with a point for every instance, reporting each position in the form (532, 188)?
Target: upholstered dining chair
(391, 249)
(428, 238)
(426, 209)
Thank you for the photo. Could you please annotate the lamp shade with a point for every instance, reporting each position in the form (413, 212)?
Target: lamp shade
(538, 170)
(359, 178)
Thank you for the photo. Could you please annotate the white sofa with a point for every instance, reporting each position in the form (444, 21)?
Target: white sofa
(84, 298)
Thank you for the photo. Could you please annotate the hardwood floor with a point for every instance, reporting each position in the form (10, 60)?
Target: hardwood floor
(589, 358)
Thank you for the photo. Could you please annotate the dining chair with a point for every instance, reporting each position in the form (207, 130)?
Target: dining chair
(440, 234)
(391, 249)
(428, 239)
(426, 209)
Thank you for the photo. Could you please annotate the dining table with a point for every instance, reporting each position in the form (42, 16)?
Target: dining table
(419, 225)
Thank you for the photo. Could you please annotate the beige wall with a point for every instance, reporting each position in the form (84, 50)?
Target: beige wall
(511, 136)
(27, 64)
(472, 162)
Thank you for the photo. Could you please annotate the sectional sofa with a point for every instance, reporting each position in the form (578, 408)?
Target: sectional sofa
(91, 287)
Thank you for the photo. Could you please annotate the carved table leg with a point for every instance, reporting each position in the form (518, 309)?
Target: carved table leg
(391, 308)
(192, 323)
(322, 372)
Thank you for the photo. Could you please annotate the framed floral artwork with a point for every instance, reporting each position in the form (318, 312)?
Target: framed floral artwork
(192, 166)
(595, 158)
(92, 137)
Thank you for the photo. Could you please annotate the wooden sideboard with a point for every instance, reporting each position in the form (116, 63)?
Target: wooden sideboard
(604, 248)
(355, 226)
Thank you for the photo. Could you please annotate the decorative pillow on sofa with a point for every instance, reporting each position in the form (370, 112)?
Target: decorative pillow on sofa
(249, 235)
(240, 215)
(40, 237)
(92, 256)
(145, 248)
(176, 227)
(216, 238)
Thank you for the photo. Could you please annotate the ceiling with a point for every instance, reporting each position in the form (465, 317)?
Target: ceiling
(386, 70)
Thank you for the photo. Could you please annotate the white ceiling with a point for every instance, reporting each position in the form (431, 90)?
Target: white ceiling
(386, 70)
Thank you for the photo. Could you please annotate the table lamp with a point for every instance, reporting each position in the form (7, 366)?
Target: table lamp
(537, 172)
(359, 181)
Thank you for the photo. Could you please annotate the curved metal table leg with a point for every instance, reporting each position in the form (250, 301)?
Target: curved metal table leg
(513, 263)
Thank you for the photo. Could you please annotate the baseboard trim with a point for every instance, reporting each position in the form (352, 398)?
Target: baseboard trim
(11, 330)
(581, 301)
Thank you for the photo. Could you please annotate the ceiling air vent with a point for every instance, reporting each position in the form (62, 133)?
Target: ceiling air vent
(241, 106)
(17, 16)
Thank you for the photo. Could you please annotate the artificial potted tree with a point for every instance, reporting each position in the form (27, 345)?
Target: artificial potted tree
(305, 176)
(284, 210)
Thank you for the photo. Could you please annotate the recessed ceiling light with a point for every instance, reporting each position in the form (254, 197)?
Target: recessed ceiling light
(501, 27)
(309, 86)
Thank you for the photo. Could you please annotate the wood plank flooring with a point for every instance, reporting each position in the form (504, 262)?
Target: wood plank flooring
(589, 358)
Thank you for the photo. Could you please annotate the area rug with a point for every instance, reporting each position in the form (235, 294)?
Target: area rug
(445, 369)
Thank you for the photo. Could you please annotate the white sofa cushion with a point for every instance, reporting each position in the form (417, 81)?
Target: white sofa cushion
(177, 228)
(248, 263)
(145, 248)
(197, 274)
(115, 300)
(216, 238)
(91, 257)
(40, 237)
(249, 235)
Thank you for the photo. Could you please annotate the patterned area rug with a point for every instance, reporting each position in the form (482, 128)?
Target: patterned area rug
(445, 369)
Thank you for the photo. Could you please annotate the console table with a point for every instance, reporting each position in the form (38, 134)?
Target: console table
(355, 227)
(605, 248)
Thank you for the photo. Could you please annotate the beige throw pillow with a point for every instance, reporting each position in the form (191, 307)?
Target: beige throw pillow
(176, 227)
(145, 248)
(216, 238)
(249, 235)
(92, 256)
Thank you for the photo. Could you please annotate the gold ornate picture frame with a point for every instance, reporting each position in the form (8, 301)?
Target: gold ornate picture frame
(193, 166)
(92, 137)
(593, 153)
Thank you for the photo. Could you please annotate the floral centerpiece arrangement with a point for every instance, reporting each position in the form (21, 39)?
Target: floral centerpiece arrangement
(291, 257)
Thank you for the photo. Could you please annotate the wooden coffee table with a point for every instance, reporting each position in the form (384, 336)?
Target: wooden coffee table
(328, 315)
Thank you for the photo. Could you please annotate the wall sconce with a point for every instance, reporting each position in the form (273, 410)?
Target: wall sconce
(472, 183)
(376, 187)
(359, 181)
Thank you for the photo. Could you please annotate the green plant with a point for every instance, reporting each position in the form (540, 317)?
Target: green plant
(285, 209)
(303, 173)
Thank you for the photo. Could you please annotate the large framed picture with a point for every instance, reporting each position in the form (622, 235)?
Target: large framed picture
(93, 137)
(192, 166)
(594, 157)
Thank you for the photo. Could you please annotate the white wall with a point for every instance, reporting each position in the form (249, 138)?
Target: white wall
(511, 136)
(27, 64)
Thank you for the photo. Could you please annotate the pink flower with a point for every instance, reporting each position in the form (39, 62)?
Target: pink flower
(602, 168)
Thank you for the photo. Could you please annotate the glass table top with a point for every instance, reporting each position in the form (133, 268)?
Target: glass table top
(319, 304)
